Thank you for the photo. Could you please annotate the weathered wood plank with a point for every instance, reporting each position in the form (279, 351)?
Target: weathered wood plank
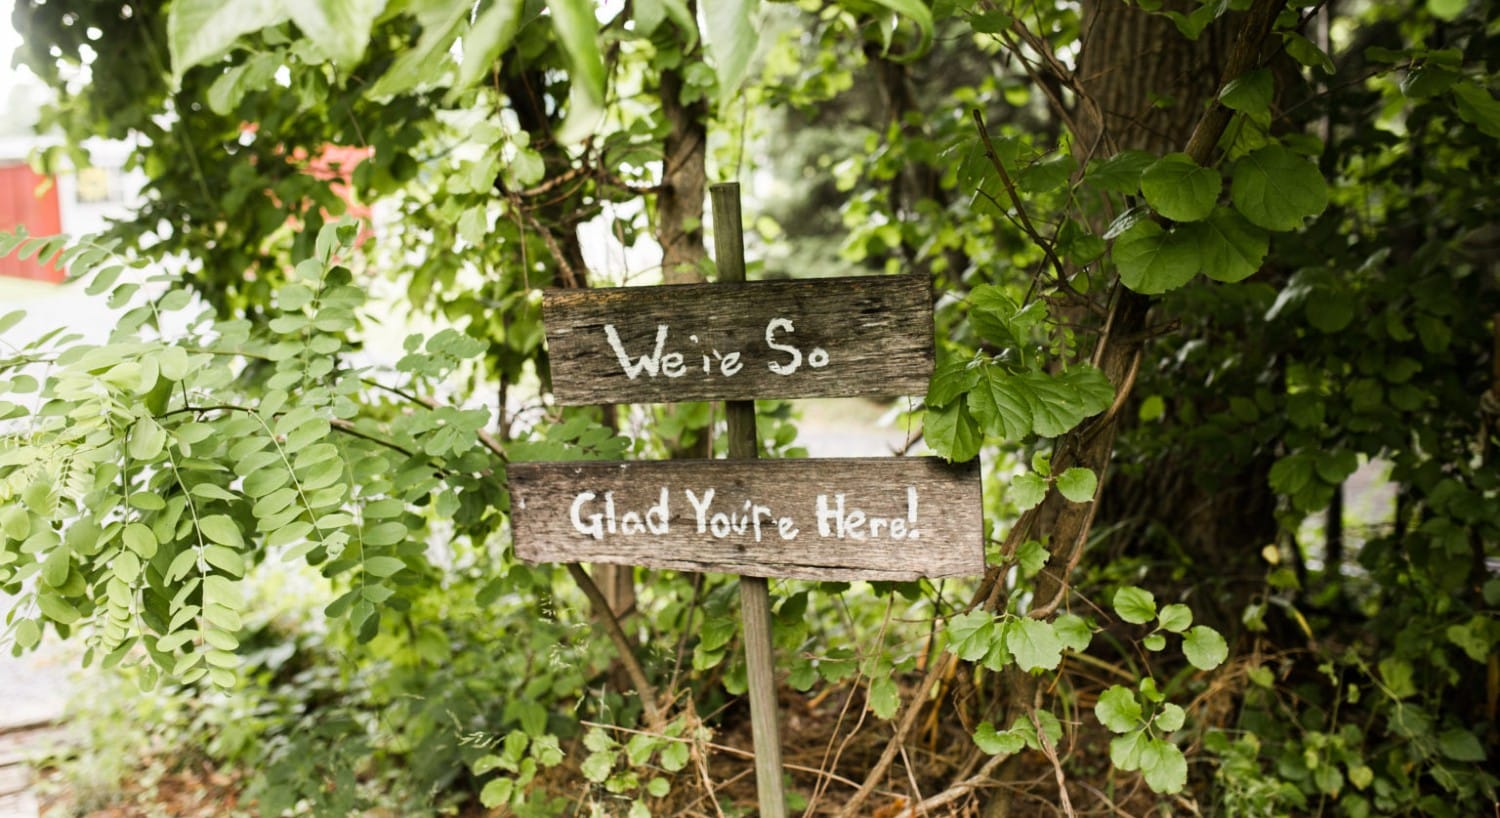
(834, 337)
(896, 518)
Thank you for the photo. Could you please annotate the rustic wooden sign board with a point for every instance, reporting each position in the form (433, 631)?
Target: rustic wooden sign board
(897, 518)
(832, 337)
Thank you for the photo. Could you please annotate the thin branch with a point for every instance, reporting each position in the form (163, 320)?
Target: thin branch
(611, 623)
(1010, 188)
(954, 792)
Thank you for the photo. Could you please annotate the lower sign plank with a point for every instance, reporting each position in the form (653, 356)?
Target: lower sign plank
(898, 518)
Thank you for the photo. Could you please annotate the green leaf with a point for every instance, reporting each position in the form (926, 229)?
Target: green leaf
(147, 439)
(11, 319)
(1447, 10)
(1204, 647)
(1230, 249)
(1251, 93)
(423, 63)
(918, 13)
(1164, 766)
(598, 766)
(1461, 745)
(1125, 751)
(341, 28)
(1179, 189)
(952, 432)
(999, 406)
(1120, 173)
(1078, 484)
(199, 31)
(383, 566)
(1073, 631)
(1170, 718)
(1477, 106)
(496, 792)
(970, 634)
(1277, 189)
(491, 34)
(995, 743)
(1175, 617)
(1027, 490)
(731, 37)
(138, 538)
(1135, 605)
(1031, 556)
(1118, 709)
(578, 29)
(1152, 261)
(1034, 644)
(884, 696)
(221, 530)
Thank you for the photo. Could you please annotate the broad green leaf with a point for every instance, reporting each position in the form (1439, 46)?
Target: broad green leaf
(1204, 647)
(1135, 605)
(918, 13)
(127, 566)
(27, 634)
(221, 530)
(1078, 484)
(1031, 556)
(731, 37)
(1170, 718)
(491, 34)
(1477, 106)
(578, 30)
(139, 539)
(147, 439)
(649, 14)
(496, 792)
(423, 63)
(1120, 173)
(970, 634)
(1154, 642)
(1073, 631)
(199, 31)
(884, 696)
(55, 568)
(952, 432)
(1230, 248)
(1447, 9)
(383, 566)
(11, 319)
(225, 559)
(999, 405)
(1277, 189)
(1461, 745)
(1152, 260)
(1118, 709)
(341, 28)
(1034, 644)
(995, 743)
(1026, 490)
(1175, 617)
(1164, 766)
(1125, 751)
(1251, 93)
(1060, 402)
(1179, 189)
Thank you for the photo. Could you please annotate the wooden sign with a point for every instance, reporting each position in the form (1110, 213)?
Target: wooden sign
(893, 518)
(832, 337)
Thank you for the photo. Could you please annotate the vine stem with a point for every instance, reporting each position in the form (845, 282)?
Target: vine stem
(611, 624)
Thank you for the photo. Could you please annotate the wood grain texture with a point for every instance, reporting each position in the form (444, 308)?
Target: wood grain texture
(817, 518)
(875, 333)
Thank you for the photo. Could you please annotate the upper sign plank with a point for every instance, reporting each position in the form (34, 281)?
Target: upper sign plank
(831, 337)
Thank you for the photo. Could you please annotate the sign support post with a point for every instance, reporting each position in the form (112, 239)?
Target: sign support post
(755, 596)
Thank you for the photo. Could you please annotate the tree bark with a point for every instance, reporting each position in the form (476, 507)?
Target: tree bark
(1151, 89)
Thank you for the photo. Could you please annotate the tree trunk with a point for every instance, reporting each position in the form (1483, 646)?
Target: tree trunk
(1143, 86)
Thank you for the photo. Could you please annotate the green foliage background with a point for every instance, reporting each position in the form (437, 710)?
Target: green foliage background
(307, 553)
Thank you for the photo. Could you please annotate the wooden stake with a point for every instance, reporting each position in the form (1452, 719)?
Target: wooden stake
(755, 597)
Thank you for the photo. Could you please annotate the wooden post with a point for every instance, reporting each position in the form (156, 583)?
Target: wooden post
(755, 597)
